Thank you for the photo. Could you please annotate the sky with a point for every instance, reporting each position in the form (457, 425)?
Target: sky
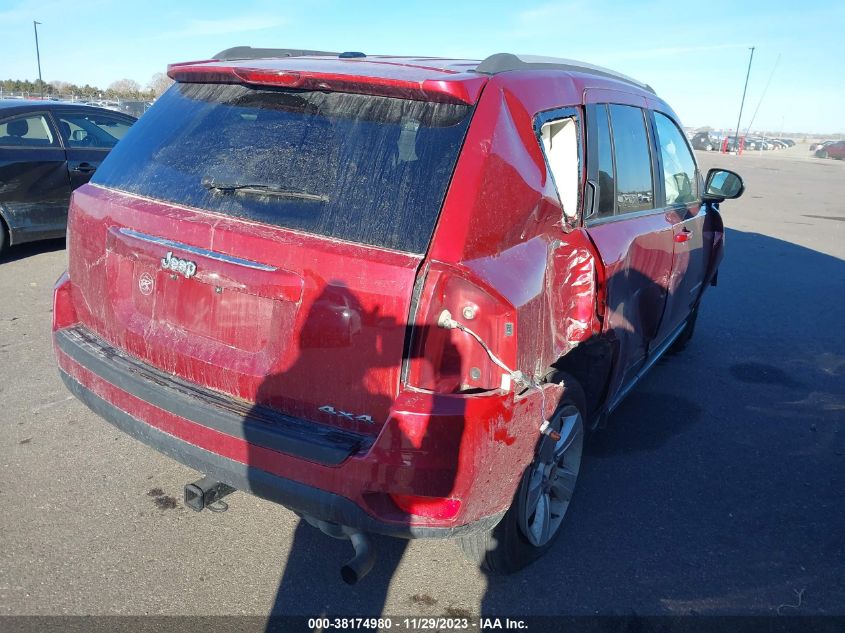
(695, 55)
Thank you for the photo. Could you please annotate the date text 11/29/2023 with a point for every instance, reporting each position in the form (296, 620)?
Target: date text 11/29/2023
(416, 624)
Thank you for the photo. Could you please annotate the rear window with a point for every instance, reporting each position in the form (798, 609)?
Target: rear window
(367, 169)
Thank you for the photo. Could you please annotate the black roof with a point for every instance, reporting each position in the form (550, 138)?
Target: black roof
(248, 52)
(492, 65)
(505, 62)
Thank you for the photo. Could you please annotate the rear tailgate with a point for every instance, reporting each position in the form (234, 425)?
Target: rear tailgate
(304, 323)
(265, 243)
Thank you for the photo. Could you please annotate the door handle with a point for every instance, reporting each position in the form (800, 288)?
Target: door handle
(683, 236)
(84, 168)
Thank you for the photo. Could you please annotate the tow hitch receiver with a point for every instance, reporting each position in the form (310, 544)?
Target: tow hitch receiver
(207, 493)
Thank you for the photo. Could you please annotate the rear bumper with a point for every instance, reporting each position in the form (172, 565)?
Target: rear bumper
(260, 426)
(473, 448)
(296, 496)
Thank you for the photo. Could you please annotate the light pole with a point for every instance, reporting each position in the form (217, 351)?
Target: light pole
(747, 75)
(38, 57)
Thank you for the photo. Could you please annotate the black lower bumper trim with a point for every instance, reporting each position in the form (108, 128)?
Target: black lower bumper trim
(300, 498)
(262, 426)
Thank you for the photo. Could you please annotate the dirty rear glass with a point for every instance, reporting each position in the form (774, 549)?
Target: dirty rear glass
(367, 169)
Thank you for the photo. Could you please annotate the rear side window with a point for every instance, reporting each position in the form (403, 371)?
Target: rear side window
(634, 187)
(560, 144)
(606, 184)
(92, 130)
(26, 131)
(679, 172)
(362, 168)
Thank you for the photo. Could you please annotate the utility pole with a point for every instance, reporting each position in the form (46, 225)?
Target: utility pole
(742, 103)
(38, 57)
(765, 90)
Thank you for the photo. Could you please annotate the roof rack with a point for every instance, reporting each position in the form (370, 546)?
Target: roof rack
(248, 52)
(504, 62)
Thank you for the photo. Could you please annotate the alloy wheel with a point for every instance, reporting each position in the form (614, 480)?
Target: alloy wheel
(551, 480)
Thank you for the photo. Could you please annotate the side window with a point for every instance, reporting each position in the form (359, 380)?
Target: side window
(634, 187)
(560, 142)
(607, 178)
(98, 131)
(26, 131)
(679, 172)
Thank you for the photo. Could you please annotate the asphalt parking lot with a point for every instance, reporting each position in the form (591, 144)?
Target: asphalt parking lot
(718, 487)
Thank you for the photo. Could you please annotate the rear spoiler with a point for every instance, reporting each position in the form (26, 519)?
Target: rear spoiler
(464, 90)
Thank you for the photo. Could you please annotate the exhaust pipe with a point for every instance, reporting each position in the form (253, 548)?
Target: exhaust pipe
(359, 565)
(365, 555)
(205, 492)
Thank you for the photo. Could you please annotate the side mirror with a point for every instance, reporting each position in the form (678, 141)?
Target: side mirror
(722, 184)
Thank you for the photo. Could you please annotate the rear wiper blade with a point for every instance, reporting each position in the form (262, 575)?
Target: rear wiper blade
(262, 189)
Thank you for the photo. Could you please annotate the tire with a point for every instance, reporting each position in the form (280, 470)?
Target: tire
(524, 534)
(686, 334)
(821, 153)
(708, 147)
(4, 238)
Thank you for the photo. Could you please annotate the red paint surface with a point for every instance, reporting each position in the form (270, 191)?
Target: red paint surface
(328, 326)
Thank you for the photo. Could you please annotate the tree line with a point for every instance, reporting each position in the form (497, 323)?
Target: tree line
(120, 89)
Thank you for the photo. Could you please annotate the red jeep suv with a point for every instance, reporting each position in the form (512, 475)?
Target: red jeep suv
(390, 294)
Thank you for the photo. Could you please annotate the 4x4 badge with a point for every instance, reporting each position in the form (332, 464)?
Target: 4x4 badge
(182, 266)
(345, 414)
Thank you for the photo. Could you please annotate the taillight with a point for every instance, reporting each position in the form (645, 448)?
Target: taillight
(279, 78)
(449, 360)
(64, 314)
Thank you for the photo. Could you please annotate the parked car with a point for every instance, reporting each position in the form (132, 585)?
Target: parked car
(391, 294)
(707, 141)
(833, 150)
(48, 149)
(817, 146)
(756, 143)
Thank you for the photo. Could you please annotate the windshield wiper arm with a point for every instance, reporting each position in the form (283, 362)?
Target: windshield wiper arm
(262, 189)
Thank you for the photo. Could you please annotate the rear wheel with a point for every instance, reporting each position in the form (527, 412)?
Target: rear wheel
(532, 524)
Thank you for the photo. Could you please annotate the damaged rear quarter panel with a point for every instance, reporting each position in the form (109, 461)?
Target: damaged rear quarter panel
(502, 220)
(502, 227)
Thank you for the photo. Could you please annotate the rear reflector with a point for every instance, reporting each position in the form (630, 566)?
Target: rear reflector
(430, 507)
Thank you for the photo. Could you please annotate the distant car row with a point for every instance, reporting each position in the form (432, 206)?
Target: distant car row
(132, 107)
(768, 143)
(710, 141)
